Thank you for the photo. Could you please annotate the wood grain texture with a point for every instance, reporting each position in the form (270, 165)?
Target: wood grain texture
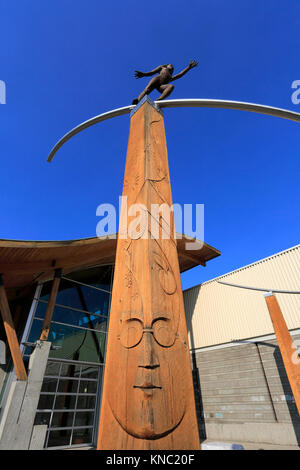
(50, 306)
(11, 336)
(148, 397)
(287, 349)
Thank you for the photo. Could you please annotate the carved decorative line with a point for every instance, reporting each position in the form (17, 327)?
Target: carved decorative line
(152, 438)
(162, 265)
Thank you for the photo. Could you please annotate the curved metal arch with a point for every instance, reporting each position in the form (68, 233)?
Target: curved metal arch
(181, 103)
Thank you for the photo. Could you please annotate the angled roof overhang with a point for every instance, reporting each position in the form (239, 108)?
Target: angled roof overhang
(24, 263)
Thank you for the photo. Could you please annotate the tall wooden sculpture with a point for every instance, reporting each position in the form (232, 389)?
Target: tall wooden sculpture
(148, 400)
(148, 397)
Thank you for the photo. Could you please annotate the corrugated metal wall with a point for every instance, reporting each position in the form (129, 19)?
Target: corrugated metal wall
(218, 314)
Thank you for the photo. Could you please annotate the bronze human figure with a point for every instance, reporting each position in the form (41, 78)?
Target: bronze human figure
(162, 81)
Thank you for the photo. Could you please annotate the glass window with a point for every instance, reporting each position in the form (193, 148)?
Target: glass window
(84, 418)
(93, 300)
(67, 294)
(62, 420)
(87, 386)
(72, 317)
(78, 334)
(65, 402)
(42, 418)
(46, 402)
(52, 368)
(78, 297)
(49, 385)
(77, 344)
(82, 436)
(59, 438)
(98, 277)
(71, 343)
(86, 402)
(68, 386)
(89, 372)
(70, 370)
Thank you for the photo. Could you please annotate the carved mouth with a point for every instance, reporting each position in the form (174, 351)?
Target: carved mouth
(147, 387)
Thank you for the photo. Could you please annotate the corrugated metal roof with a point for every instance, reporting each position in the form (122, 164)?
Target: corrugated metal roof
(219, 314)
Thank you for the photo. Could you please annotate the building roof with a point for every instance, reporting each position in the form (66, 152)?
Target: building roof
(23, 263)
(262, 260)
(219, 314)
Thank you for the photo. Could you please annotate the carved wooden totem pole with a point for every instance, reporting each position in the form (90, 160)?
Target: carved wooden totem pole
(148, 396)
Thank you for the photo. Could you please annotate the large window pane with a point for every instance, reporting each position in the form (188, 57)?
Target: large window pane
(53, 368)
(89, 372)
(86, 402)
(82, 436)
(73, 317)
(65, 402)
(78, 333)
(46, 402)
(81, 296)
(42, 418)
(70, 370)
(84, 418)
(68, 386)
(49, 385)
(87, 386)
(59, 438)
(62, 420)
(67, 294)
(72, 343)
(93, 300)
(77, 344)
(98, 277)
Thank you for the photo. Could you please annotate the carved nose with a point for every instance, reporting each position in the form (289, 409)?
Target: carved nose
(148, 358)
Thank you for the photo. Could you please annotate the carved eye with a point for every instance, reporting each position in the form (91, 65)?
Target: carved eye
(131, 333)
(163, 333)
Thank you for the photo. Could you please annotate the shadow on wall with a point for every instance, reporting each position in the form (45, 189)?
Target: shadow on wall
(283, 414)
(295, 419)
(195, 370)
(288, 394)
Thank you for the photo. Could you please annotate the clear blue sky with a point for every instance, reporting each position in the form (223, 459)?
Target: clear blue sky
(64, 61)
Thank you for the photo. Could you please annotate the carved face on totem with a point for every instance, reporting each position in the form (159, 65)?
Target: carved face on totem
(149, 399)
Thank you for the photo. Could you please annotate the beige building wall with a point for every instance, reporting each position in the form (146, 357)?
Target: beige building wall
(218, 314)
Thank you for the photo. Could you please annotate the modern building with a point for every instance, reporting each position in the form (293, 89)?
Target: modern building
(70, 396)
(241, 389)
(243, 393)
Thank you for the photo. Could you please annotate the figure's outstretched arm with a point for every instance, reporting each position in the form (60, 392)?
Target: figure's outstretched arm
(139, 74)
(192, 64)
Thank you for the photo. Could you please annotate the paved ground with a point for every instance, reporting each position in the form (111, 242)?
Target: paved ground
(246, 445)
(253, 446)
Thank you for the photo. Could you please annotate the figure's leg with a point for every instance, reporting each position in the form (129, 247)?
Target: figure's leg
(154, 82)
(165, 91)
